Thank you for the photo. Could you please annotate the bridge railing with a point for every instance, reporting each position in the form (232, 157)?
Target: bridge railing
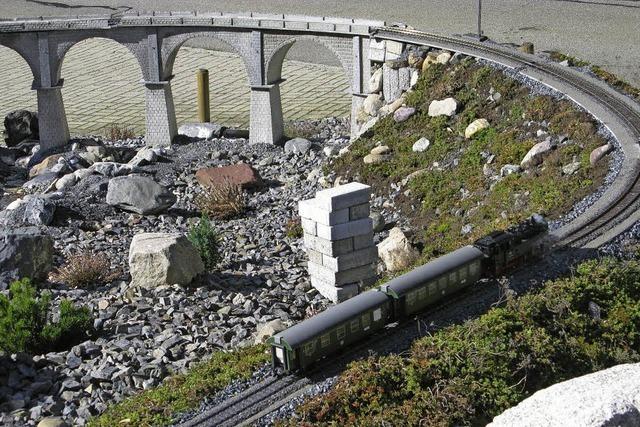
(190, 19)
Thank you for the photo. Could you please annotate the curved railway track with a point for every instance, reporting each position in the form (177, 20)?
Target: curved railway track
(272, 393)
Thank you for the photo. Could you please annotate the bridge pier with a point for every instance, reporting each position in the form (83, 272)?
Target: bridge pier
(52, 118)
(266, 122)
(161, 115)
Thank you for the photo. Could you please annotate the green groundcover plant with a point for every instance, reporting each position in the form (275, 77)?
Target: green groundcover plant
(26, 321)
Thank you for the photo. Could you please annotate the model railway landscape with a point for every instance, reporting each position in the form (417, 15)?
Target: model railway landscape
(306, 347)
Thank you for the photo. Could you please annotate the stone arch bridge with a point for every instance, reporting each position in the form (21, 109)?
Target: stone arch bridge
(154, 38)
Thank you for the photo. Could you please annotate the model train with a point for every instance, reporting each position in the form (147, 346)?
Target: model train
(336, 328)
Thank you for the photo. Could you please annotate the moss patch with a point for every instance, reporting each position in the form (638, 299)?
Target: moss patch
(457, 183)
(155, 407)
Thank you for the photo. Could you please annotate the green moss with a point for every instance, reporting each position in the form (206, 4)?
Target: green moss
(156, 407)
(466, 374)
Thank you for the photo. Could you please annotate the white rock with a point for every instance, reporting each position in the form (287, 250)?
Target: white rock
(396, 251)
(365, 128)
(475, 127)
(381, 149)
(157, 259)
(372, 104)
(571, 168)
(69, 180)
(510, 169)
(375, 82)
(597, 154)
(267, 330)
(415, 75)
(330, 150)
(15, 204)
(445, 107)
(200, 130)
(421, 145)
(607, 398)
(537, 153)
(81, 174)
(443, 58)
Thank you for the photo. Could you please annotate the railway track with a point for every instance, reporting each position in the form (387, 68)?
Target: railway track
(273, 393)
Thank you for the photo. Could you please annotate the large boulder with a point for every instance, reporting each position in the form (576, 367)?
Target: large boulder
(375, 82)
(25, 252)
(139, 194)
(242, 174)
(606, 398)
(201, 130)
(372, 104)
(157, 259)
(45, 165)
(445, 107)
(297, 146)
(536, 155)
(396, 251)
(38, 211)
(20, 125)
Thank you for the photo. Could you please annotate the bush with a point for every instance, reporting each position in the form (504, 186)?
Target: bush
(25, 324)
(118, 132)
(467, 374)
(205, 239)
(84, 269)
(221, 201)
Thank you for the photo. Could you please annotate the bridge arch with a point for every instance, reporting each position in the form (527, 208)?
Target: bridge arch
(342, 49)
(119, 73)
(238, 44)
(18, 82)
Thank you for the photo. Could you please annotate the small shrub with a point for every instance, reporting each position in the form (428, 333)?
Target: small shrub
(117, 131)
(293, 229)
(222, 201)
(205, 239)
(25, 324)
(84, 269)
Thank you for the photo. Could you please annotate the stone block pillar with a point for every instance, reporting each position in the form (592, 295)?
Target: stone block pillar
(52, 118)
(266, 121)
(338, 235)
(161, 115)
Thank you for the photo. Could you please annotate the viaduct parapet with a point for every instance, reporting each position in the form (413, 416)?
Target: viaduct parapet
(154, 38)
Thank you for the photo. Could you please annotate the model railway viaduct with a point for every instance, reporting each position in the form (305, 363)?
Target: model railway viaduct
(261, 40)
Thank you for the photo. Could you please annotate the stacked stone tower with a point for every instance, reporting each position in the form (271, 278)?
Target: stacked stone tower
(338, 235)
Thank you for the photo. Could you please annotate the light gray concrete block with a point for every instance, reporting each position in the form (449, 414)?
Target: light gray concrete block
(351, 260)
(404, 75)
(363, 241)
(394, 48)
(315, 256)
(335, 248)
(344, 196)
(346, 230)
(390, 83)
(377, 51)
(309, 226)
(359, 212)
(352, 275)
(335, 293)
(311, 209)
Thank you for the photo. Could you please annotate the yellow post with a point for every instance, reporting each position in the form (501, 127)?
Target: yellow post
(204, 110)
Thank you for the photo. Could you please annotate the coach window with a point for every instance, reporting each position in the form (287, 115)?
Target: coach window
(422, 293)
(442, 283)
(366, 321)
(325, 340)
(433, 288)
(411, 298)
(473, 268)
(309, 348)
(452, 277)
(463, 274)
(354, 326)
(341, 331)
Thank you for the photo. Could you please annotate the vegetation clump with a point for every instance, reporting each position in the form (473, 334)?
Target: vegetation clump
(26, 321)
(223, 201)
(156, 407)
(84, 269)
(467, 374)
(293, 228)
(205, 239)
(118, 132)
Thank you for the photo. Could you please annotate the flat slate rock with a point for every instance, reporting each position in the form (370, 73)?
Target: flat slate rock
(241, 174)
